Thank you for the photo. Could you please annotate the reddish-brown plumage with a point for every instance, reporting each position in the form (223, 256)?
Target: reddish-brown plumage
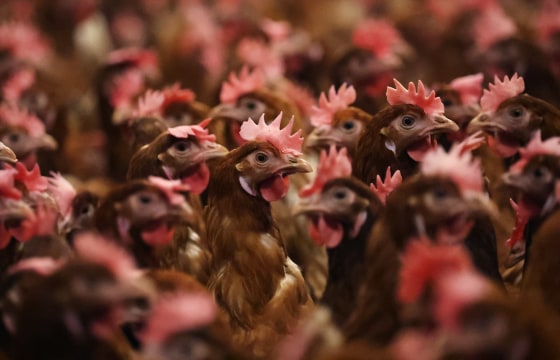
(258, 286)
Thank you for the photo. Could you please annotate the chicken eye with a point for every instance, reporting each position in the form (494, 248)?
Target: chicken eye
(85, 210)
(261, 157)
(538, 172)
(14, 138)
(348, 125)
(408, 121)
(340, 195)
(440, 193)
(145, 199)
(181, 146)
(516, 112)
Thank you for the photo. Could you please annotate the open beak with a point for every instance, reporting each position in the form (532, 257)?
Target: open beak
(517, 181)
(7, 155)
(481, 122)
(228, 111)
(291, 165)
(321, 137)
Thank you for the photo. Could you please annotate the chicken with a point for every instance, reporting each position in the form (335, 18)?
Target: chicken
(246, 96)
(181, 153)
(185, 325)
(400, 134)
(142, 216)
(445, 299)
(460, 98)
(24, 134)
(532, 182)
(444, 202)
(336, 122)
(511, 117)
(258, 287)
(370, 64)
(124, 76)
(144, 130)
(76, 310)
(342, 212)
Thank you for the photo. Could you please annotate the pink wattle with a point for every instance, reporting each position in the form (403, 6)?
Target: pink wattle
(161, 235)
(323, 234)
(501, 149)
(275, 188)
(198, 181)
(417, 152)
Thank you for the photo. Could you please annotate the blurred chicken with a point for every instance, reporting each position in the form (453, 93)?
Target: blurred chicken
(142, 216)
(259, 288)
(370, 64)
(181, 153)
(24, 134)
(336, 122)
(246, 96)
(446, 203)
(77, 308)
(342, 212)
(399, 135)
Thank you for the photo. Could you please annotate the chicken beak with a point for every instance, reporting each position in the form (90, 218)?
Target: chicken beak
(479, 122)
(462, 114)
(11, 209)
(291, 165)
(516, 181)
(321, 137)
(45, 142)
(211, 150)
(442, 124)
(228, 111)
(7, 154)
(309, 205)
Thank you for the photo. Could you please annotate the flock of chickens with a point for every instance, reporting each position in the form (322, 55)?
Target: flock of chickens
(244, 179)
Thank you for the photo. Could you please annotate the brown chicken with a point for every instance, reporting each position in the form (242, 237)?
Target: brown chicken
(445, 202)
(142, 216)
(456, 313)
(24, 134)
(336, 122)
(181, 153)
(76, 309)
(370, 64)
(342, 211)
(256, 284)
(243, 97)
(399, 135)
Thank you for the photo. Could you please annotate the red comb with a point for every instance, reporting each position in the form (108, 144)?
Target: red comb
(491, 26)
(97, 249)
(262, 56)
(199, 131)
(469, 88)
(32, 180)
(282, 139)
(323, 114)
(332, 165)
(377, 36)
(23, 41)
(125, 87)
(457, 164)
(7, 184)
(382, 188)
(431, 104)
(11, 115)
(237, 86)
(537, 147)
(178, 313)
(150, 104)
(174, 93)
(20, 81)
(423, 263)
(501, 91)
(170, 188)
(63, 193)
